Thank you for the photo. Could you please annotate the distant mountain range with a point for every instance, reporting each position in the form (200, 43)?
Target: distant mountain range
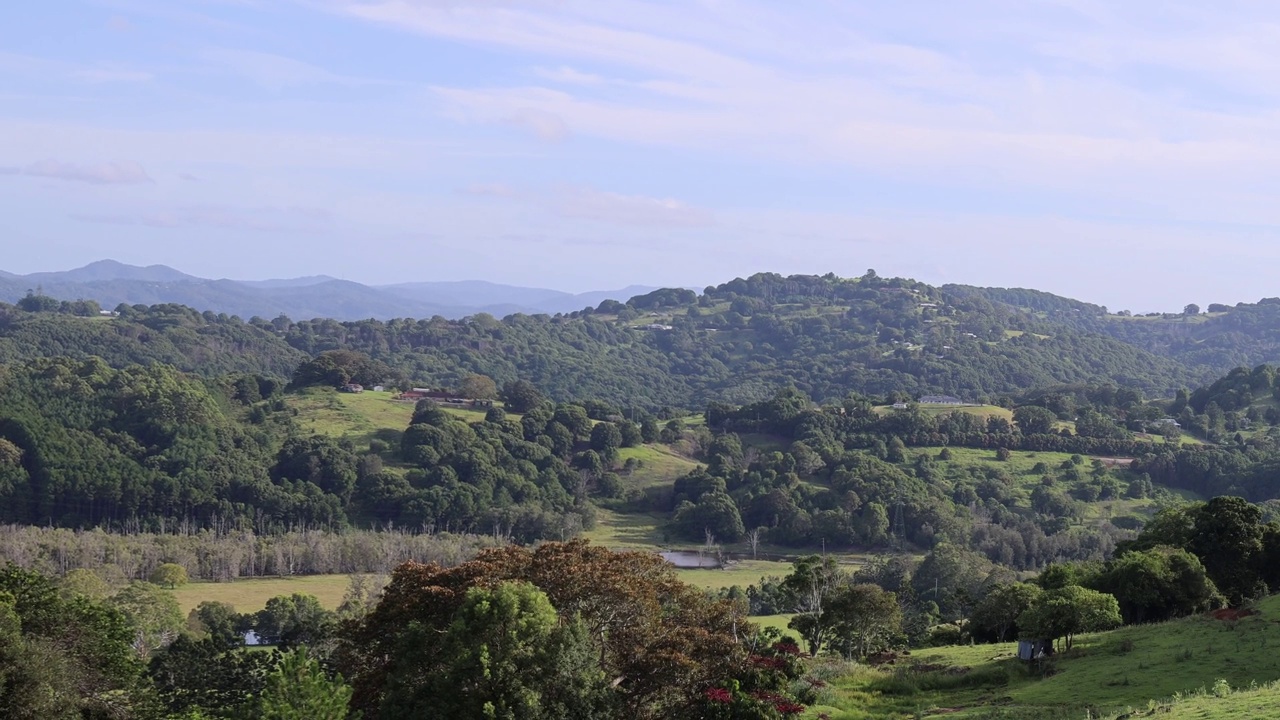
(319, 296)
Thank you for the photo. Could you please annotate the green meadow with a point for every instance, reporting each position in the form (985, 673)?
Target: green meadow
(1174, 665)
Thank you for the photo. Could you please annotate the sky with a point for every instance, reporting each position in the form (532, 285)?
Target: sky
(1121, 153)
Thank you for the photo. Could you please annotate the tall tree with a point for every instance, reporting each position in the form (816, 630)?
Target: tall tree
(1067, 612)
(505, 656)
(299, 689)
(999, 611)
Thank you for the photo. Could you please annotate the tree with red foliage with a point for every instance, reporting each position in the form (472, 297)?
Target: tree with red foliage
(661, 642)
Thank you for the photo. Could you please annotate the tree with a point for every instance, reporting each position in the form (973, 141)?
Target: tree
(218, 620)
(298, 689)
(520, 396)
(505, 656)
(86, 583)
(153, 614)
(191, 676)
(810, 587)
(293, 619)
(715, 512)
(169, 575)
(1067, 612)
(606, 438)
(1228, 540)
(950, 575)
(865, 619)
(1158, 584)
(998, 612)
(478, 387)
(1191, 309)
(1034, 420)
(61, 658)
(661, 641)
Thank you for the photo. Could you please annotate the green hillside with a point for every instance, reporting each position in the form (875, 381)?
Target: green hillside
(1106, 674)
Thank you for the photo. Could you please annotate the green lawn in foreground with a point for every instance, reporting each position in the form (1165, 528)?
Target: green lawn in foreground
(1109, 672)
(252, 594)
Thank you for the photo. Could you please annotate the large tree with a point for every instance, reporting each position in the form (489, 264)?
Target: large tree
(659, 641)
(506, 656)
(1158, 584)
(998, 612)
(866, 619)
(521, 396)
(1067, 612)
(810, 589)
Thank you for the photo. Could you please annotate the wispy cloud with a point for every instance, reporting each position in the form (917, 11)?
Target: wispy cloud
(274, 72)
(494, 190)
(591, 204)
(211, 216)
(1017, 98)
(117, 172)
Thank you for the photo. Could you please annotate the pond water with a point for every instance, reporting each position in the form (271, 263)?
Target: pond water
(687, 559)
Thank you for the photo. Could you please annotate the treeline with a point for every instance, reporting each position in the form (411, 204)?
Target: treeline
(562, 631)
(206, 343)
(834, 483)
(855, 423)
(735, 342)
(151, 449)
(223, 557)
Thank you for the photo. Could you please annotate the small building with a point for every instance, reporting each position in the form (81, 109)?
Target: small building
(353, 388)
(899, 406)
(379, 388)
(1167, 421)
(940, 400)
(1031, 650)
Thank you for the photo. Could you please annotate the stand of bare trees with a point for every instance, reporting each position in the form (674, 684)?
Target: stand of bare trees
(226, 556)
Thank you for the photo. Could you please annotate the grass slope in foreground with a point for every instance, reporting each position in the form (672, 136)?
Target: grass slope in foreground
(1106, 674)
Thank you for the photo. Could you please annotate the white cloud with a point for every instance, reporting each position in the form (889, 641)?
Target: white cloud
(493, 190)
(989, 95)
(109, 173)
(233, 218)
(568, 76)
(590, 204)
(277, 71)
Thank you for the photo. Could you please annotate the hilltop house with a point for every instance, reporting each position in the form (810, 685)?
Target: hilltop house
(940, 400)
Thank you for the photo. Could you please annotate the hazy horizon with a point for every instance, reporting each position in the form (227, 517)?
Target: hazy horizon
(1123, 156)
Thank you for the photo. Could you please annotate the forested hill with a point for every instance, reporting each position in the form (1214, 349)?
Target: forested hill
(737, 342)
(1208, 342)
(202, 343)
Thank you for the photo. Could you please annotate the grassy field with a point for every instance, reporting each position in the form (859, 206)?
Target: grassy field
(358, 417)
(627, 531)
(361, 417)
(1106, 674)
(660, 465)
(935, 410)
(252, 594)
(741, 573)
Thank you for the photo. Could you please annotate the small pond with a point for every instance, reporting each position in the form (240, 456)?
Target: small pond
(686, 559)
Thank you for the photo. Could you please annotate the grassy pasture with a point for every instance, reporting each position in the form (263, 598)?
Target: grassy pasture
(936, 410)
(1106, 673)
(358, 417)
(252, 594)
(660, 465)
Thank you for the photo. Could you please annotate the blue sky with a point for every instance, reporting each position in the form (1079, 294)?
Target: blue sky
(1122, 153)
